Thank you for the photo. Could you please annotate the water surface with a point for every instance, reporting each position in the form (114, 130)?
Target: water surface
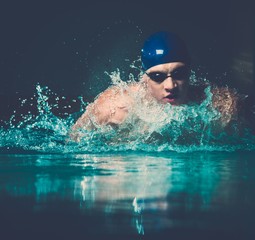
(136, 195)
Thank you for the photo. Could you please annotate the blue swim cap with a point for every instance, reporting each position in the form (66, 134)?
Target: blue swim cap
(163, 47)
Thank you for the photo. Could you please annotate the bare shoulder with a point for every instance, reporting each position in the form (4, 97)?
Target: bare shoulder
(227, 101)
(114, 105)
(110, 107)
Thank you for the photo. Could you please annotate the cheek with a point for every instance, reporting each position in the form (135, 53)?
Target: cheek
(183, 92)
(154, 89)
(183, 87)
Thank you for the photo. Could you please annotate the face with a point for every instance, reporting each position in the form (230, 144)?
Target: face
(168, 83)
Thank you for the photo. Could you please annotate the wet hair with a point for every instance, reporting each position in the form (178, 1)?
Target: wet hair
(163, 47)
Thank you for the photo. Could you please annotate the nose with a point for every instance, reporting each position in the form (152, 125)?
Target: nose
(169, 84)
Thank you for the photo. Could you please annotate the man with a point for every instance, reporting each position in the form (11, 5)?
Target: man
(166, 66)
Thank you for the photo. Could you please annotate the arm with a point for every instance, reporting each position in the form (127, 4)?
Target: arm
(110, 108)
(225, 100)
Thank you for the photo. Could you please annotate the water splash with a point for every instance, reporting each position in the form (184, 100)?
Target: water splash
(151, 128)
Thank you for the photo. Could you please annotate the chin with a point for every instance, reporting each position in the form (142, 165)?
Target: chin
(173, 102)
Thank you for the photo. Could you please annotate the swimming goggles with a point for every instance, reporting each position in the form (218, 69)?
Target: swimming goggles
(178, 74)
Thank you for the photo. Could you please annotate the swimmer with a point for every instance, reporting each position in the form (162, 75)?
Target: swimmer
(166, 66)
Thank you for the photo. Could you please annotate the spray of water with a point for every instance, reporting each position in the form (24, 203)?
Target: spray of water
(150, 127)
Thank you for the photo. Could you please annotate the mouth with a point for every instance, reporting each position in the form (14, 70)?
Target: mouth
(171, 98)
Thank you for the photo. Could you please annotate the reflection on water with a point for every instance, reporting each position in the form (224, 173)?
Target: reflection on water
(152, 193)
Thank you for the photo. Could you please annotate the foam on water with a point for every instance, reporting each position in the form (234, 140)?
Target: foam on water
(151, 128)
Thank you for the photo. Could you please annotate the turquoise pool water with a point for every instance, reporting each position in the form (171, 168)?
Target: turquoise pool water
(136, 195)
(179, 179)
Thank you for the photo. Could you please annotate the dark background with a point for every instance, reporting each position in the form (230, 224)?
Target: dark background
(68, 46)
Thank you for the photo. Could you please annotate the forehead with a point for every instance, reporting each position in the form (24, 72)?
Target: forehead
(167, 67)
